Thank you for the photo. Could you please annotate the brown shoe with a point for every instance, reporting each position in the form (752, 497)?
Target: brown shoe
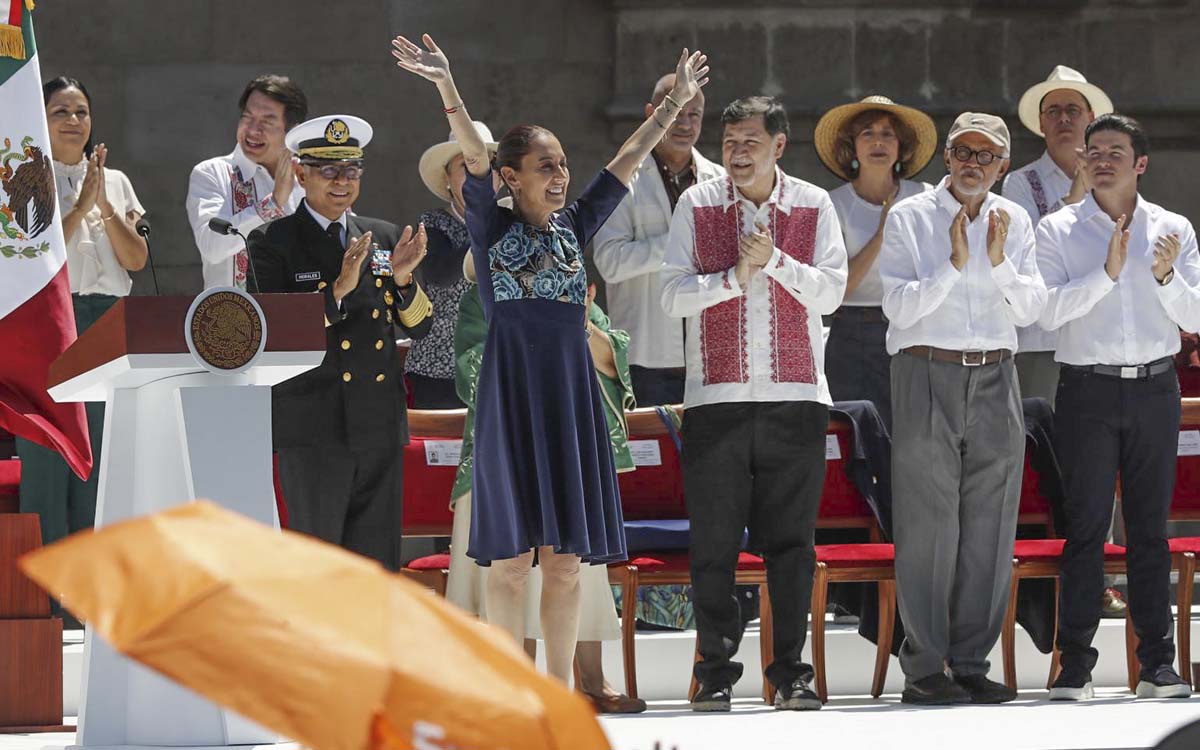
(1114, 604)
(616, 704)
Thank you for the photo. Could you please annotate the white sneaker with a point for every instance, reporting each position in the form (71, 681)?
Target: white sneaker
(1163, 682)
(1072, 692)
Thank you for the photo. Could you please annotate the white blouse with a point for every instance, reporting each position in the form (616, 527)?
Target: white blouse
(92, 264)
(860, 222)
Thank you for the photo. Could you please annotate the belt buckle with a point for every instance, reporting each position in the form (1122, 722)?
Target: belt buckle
(1129, 373)
(967, 353)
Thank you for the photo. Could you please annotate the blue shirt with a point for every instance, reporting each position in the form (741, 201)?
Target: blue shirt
(514, 260)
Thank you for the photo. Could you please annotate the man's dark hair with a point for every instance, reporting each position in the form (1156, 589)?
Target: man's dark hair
(283, 90)
(55, 85)
(775, 118)
(1121, 124)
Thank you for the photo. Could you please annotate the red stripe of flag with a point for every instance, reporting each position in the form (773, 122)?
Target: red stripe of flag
(14, 12)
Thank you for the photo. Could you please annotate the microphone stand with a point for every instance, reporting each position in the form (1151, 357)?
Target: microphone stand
(143, 229)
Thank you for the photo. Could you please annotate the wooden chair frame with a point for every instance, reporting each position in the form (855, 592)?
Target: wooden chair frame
(885, 577)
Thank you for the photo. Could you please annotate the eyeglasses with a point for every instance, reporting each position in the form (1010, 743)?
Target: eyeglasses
(1055, 112)
(334, 171)
(982, 158)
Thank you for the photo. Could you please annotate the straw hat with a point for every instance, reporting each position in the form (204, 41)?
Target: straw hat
(433, 162)
(832, 122)
(1061, 77)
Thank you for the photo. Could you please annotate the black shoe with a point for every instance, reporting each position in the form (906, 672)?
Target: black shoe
(983, 690)
(1162, 682)
(1072, 687)
(935, 690)
(796, 696)
(712, 699)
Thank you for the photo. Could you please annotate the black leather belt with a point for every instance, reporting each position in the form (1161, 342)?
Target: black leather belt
(968, 358)
(1129, 372)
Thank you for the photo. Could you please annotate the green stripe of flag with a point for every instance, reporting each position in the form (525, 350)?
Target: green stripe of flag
(9, 66)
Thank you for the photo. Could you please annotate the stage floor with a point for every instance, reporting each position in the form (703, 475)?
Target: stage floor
(1114, 720)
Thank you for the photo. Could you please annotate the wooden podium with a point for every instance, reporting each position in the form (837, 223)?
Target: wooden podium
(177, 428)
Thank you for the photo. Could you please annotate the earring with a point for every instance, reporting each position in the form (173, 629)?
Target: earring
(854, 165)
(898, 167)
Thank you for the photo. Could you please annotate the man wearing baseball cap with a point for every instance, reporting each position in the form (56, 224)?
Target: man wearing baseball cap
(959, 275)
(339, 429)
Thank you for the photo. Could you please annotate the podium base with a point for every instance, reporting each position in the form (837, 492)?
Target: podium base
(41, 729)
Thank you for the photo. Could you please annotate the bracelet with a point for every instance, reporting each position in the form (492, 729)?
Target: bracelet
(452, 110)
(669, 98)
(110, 217)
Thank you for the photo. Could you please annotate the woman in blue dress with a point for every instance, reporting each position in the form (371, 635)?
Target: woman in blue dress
(544, 478)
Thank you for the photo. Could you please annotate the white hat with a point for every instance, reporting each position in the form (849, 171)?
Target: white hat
(1061, 77)
(330, 138)
(990, 126)
(433, 162)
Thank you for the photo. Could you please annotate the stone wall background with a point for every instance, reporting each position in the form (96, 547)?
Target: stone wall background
(165, 76)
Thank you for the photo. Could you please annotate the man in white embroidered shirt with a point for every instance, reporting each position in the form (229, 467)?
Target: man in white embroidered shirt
(753, 261)
(251, 186)
(959, 275)
(1058, 110)
(1123, 276)
(629, 251)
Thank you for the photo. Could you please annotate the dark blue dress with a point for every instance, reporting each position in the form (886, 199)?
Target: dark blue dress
(544, 472)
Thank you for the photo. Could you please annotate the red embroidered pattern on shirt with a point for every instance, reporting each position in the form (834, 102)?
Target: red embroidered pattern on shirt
(723, 349)
(792, 358)
(244, 196)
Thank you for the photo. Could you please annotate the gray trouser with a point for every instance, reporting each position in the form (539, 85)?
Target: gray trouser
(957, 458)
(1038, 373)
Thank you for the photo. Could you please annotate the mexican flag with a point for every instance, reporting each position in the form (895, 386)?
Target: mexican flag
(37, 322)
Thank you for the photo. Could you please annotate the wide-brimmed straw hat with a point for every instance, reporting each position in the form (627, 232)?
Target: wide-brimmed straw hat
(433, 162)
(832, 122)
(1061, 77)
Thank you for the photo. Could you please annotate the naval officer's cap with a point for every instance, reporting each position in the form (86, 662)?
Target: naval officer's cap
(330, 138)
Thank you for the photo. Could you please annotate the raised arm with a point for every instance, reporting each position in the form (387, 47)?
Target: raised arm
(431, 64)
(691, 74)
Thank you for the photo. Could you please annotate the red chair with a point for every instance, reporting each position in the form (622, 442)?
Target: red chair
(1185, 506)
(10, 474)
(842, 506)
(427, 490)
(1042, 558)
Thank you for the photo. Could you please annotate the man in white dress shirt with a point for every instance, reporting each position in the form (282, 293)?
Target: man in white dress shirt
(1123, 276)
(251, 186)
(753, 261)
(959, 275)
(1059, 110)
(629, 252)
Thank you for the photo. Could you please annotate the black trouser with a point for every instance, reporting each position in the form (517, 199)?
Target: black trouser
(654, 386)
(346, 497)
(1102, 425)
(762, 466)
(857, 364)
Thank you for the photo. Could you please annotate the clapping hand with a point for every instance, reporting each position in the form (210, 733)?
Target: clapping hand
(758, 247)
(1166, 250)
(959, 248)
(691, 74)
(352, 265)
(997, 235)
(408, 253)
(429, 63)
(285, 178)
(1118, 249)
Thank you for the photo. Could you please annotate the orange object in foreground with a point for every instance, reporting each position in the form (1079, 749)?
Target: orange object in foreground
(307, 639)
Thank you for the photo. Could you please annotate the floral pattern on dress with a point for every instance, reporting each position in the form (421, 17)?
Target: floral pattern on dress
(532, 263)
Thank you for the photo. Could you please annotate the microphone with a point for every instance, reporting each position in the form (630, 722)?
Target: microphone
(142, 227)
(220, 226)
